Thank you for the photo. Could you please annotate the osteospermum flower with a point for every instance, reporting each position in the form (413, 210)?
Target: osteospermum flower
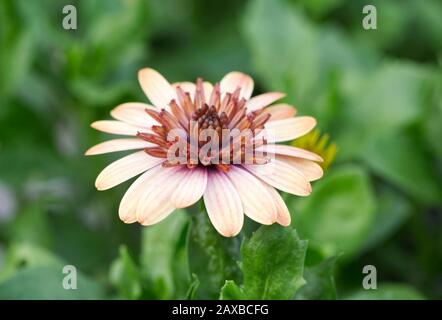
(230, 188)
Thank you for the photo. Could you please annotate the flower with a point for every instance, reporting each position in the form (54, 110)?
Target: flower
(176, 173)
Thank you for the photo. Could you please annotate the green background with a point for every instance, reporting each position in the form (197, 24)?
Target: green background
(376, 92)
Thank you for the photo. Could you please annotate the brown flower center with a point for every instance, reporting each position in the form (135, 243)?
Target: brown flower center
(220, 122)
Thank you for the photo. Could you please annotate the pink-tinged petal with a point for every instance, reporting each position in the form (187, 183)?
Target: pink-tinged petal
(284, 150)
(208, 88)
(311, 170)
(155, 205)
(186, 86)
(263, 100)
(231, 81)
(281, 111)
(156, 87)
(257, 202)
(190, 189)
(282, 176)
(129, 203)
(289, 129)
(125, 169)
(117, 145)
(116, 127)
(223, 204)
(134, 113)
(283, 214)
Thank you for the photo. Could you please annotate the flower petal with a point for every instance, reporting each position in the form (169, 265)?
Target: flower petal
(186, 86)
(190, 189)
(281, 149)
(156, 87)
(263, 100)
(155, 205)
(281, 111)
(208, 88)
(289, 129)
(311, 170)
(116, 127)
(283, 214)
(125, 169)
(223, 204)
(134, 113)
(231, 81)
(256, 200)
(282, 176)
(129, 203)
(117, 145)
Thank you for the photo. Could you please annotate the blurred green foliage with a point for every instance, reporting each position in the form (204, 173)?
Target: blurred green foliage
(376, 93)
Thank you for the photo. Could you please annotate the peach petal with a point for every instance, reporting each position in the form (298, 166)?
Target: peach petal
(289, 129)
(231, 81)
(156, 87)
(134, 114)
(190, 189)
(223, 204)
(263, 100)
(116, 127)
(117, 145)
(125, 169)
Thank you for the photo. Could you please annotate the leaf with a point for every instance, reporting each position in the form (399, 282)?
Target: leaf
(379, 103)
(124, 274)
(272, 263)
(294, 49)
(387, 291)
(320, 282)
(401, 159)
(24, 255)
(338, 215)
(231, 291)
(212, 257)
(193, 287)
(46, 283)
(163, 259)
(392, 210)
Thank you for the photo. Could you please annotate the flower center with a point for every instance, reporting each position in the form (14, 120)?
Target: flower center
(213, 130)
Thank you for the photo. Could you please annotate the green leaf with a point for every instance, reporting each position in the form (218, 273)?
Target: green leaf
(272, 263)
(124, 274)
(163, 256)
(46, 283)
(212, 257)
(387, 291)
(401, 159)
(320, 282)
(379, 103)
(294, 49)
(231, 291)
(193, 287)
(338, 215)
(25, 255)
(392, 210)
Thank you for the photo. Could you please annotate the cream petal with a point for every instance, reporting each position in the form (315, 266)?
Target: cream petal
(257, 202)
(263, 100)
(117, 145)
(156, 87)
(283, 214)
(125, 169)
(223, 204)
(282, 176)
(208, 88)
(134, 113)
(129, 203)
(231, 81)
(186, 86)
(190, 189)
(281, 111)
(289, 129)
(155, 205)
(311, 170)
(117, 127)
(281, 149)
